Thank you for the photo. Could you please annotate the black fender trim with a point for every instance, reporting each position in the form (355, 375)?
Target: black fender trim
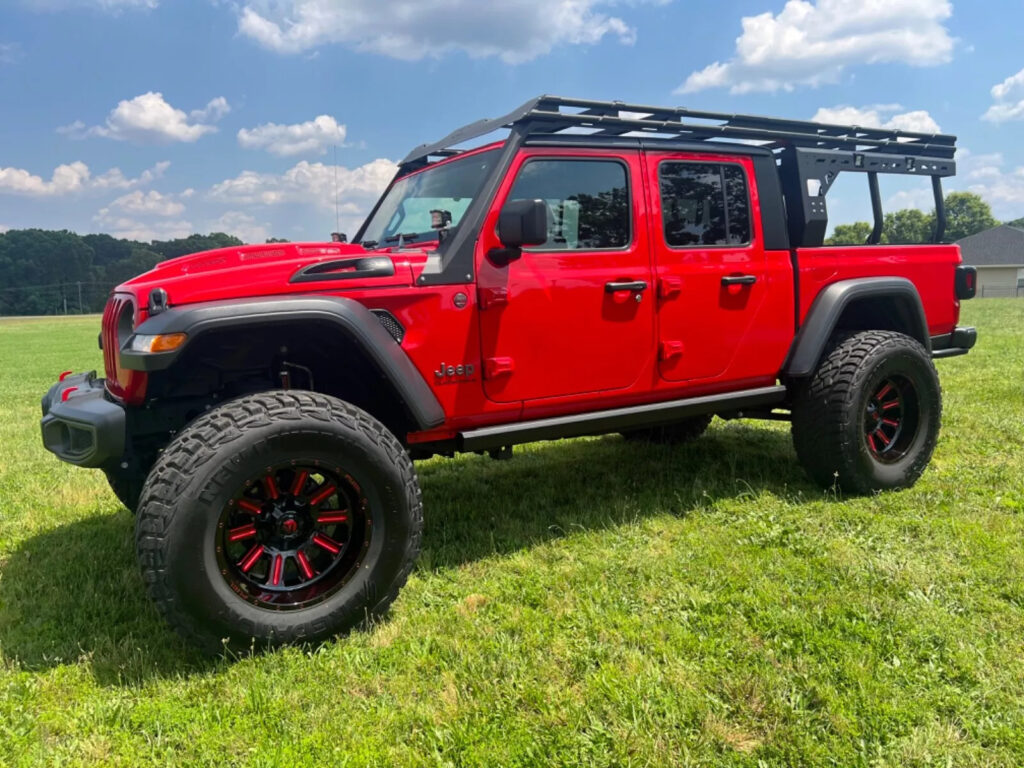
(348, 316)
(826, 310)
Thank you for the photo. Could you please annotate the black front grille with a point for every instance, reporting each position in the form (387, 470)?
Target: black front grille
(390, 323)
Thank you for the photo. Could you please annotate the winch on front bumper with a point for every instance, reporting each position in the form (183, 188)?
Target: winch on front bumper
(80, 424)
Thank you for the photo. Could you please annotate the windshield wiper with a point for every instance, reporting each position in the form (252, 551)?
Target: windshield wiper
(403, 237)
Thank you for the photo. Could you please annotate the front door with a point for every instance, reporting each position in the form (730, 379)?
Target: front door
(576, 314)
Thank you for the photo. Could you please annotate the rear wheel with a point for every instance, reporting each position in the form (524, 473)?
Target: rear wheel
(677, 433)
(869, 418)
(278, 518)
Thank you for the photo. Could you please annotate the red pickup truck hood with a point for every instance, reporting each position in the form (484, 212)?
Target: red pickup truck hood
(268, 270)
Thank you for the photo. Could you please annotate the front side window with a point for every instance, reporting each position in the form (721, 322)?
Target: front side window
(704, 204)
(587, 201)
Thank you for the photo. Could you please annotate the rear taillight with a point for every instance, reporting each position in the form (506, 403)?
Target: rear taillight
(118, 324)
(966, 282)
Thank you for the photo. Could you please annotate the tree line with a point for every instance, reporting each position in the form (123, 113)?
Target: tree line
(46, 272)
(966, 214)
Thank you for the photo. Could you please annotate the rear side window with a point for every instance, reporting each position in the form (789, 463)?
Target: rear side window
(587, 200)
(704, 204)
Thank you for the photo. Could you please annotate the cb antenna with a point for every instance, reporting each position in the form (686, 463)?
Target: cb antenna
(337, 214)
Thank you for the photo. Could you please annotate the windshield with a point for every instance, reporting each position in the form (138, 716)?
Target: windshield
(406, 208)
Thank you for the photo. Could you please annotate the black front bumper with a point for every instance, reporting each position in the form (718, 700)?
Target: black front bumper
(86, 428)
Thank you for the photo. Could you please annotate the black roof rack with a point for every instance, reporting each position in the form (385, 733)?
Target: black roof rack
(555, 114)
(804, 158)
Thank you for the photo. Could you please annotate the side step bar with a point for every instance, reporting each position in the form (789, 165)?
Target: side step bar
(600, 422)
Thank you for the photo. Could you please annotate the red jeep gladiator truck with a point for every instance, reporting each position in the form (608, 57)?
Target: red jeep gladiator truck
(602, 267)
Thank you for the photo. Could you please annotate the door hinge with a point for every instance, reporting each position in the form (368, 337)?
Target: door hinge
(492, 297)
(669, 287)
(498, 366)
(670, 349)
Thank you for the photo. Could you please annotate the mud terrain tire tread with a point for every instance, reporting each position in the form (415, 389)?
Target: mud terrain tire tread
(215, 439)
(827, 412)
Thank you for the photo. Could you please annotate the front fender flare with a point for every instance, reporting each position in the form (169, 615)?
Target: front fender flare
(828, 307)
(348, 316)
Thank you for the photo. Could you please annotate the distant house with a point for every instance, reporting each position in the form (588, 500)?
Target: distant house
(998, 253)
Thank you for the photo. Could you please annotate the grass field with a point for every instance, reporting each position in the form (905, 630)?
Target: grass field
(590, 602)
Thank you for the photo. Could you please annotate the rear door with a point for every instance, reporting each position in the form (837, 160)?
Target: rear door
(711, 268)
(576, 314)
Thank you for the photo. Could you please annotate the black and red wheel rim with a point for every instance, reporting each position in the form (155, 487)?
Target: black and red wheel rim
(293, 535)
(891, 419)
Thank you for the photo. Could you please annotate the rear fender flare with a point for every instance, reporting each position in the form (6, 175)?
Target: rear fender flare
(827, 309)
(349, 317)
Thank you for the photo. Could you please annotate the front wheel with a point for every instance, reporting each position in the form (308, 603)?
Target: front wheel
(868, 419)
(278, 518)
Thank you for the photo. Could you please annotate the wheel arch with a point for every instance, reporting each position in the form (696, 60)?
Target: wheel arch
(338, 338)
(861, 304)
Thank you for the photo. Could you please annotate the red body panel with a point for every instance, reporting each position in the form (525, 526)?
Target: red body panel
(542, 335)
(930, 268)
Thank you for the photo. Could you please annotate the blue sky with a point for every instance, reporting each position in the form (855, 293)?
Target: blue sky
(158, 118)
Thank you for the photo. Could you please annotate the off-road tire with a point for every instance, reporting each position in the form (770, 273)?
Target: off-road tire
(195, 477)
(126, 483)
(680, 432)
(831, 413)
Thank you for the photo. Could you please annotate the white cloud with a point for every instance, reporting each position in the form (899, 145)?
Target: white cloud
(147, 203)
(149, 119)
(514, 30)
(811, 43)
(65, 179)
(214, 111)
(144, 216)
(242, 226)
(132, 229)
(314, 136)
(879, 116)
(71, 178)
(9, 52)
(988, 176)
(115, 179)
(4, 228)
(308, 183)
(1009, 100)
(921, 198)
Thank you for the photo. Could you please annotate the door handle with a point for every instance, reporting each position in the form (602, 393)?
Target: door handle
(628, 285)
(739, 279)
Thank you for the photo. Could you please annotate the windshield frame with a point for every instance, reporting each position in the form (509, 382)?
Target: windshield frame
(404, 174)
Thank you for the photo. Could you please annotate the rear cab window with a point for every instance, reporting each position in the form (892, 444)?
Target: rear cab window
(704, 204)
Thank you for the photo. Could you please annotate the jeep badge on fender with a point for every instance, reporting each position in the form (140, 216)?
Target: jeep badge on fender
(454, 373)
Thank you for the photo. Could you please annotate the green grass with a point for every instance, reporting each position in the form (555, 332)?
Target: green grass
(590, 602)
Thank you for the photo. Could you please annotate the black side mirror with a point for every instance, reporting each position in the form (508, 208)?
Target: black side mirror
(521, 222)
